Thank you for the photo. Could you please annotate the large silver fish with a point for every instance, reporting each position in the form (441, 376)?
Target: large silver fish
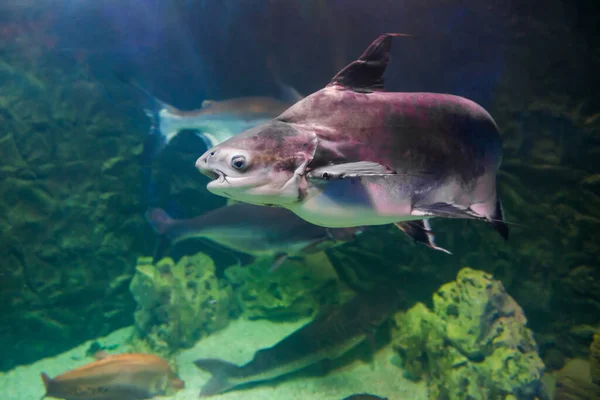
(254, 230)
(330, 335)
(352, 154)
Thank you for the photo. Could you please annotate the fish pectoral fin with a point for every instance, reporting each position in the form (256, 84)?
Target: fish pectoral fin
(420, 231)
(366, 73)
(350, 170)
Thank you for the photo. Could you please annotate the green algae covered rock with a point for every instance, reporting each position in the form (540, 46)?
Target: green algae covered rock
(474, 343)
(178, 302)
(295, 290)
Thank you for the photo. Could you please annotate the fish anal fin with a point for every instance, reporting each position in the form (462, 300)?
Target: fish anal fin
(366, 73)
(420, 231)
(478, 211)
(277, 261)
(350, 170)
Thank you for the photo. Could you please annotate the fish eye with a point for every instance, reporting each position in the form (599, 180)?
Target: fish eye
(238, 162)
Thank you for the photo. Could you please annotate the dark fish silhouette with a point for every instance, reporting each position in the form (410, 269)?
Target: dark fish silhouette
(330, 335)
(364, 396)
(353, 154)
(254, 230)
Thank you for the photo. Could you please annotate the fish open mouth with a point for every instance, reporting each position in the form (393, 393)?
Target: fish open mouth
(216, 175)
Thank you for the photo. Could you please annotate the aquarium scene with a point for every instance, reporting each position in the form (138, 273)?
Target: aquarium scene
(299, 200)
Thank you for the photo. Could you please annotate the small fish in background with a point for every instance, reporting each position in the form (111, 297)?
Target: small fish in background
(255, 230)
(364, 396)
(216, 121)
(328, 336)
(132, 376)
(352, 154)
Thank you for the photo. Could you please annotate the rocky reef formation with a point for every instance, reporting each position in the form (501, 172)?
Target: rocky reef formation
(69, 220)
(473, 344)
(178, 303)
(295, 290)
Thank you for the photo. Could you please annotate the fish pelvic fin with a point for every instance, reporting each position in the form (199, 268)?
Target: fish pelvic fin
(366, 73)
(420, 231)
(480, 211)
(277, 261)
(220, 370)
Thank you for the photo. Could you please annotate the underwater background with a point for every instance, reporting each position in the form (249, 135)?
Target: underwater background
(76, 175)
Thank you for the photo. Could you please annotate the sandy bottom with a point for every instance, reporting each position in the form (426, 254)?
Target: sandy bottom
(237, 343)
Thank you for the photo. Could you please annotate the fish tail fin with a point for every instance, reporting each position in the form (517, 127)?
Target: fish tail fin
(498, 222)
(159, 220)
(220, 370)
(162, 123)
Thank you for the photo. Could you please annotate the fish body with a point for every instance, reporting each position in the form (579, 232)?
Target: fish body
(364, 396)
(352, 154)
(217, 121)
(328, 336)
(255, 230)
(115, 377)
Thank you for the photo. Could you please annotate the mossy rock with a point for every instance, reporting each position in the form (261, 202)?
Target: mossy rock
(178, 303)
(295, 290)
(473, 344)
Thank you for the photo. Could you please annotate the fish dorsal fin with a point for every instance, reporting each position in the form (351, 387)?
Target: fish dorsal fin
(366, 73)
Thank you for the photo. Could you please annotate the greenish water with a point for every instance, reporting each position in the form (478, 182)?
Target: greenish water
(81, 164)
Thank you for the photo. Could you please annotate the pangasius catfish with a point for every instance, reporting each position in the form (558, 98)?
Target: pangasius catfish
(254, 230)
(353, 154)
(328, 336)
(132, 376)
(216, 120)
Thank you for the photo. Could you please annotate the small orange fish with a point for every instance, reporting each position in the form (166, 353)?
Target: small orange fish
(132, 376)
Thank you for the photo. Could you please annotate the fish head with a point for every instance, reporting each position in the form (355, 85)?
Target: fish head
(264, 165)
